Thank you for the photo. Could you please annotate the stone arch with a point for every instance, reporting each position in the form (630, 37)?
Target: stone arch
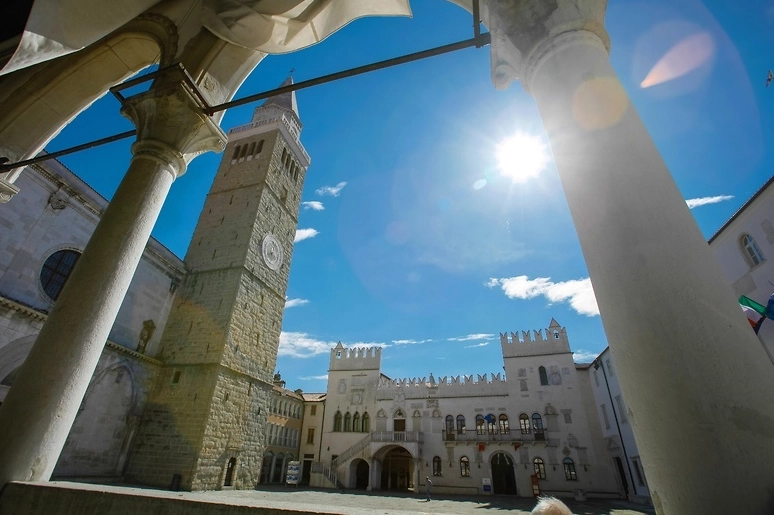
(97, 441)
(503, 473)
(359, 471)
(396, 470)
(73, 82)
(12, 356)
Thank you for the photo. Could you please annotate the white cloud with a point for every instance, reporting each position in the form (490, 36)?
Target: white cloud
(578, 293)
(292, 303)
(303, 234)
(332, 191)
(323, 377)
(477, 336)
(302, 345)
(584, 356)
(482, 344)
(360, 345)
(703, 201)
(409, 342)
(314, 205)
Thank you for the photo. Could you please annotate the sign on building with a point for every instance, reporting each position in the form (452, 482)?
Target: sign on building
(293, 476)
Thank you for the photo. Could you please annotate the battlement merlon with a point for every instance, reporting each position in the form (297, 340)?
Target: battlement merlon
(551, 340)
(442, 382)
(356, 358)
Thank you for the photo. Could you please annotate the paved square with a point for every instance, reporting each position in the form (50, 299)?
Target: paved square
(353, 503)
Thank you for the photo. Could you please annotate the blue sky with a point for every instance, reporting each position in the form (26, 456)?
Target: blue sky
(416, 241)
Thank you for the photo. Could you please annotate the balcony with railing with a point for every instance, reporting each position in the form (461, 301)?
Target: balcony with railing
(396, 436)
(484, 436)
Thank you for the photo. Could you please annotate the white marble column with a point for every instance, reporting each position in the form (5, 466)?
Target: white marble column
(38, 412)
(699, 387)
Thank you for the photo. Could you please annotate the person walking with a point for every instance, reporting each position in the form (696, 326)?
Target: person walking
(428, 485)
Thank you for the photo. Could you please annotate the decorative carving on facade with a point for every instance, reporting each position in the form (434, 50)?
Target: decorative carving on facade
(148, 328)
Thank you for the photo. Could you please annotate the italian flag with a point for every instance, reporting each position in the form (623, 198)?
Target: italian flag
(756, 313)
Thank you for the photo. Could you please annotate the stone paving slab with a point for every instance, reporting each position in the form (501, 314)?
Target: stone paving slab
(64, 498)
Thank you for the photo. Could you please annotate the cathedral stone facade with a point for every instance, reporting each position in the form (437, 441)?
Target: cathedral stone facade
(183, 392)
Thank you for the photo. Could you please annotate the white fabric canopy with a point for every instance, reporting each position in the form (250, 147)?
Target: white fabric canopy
(59, 27)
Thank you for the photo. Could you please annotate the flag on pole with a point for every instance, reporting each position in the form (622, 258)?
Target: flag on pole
(756, 313)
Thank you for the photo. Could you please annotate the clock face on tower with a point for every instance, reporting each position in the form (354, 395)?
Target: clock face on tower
(272, 252)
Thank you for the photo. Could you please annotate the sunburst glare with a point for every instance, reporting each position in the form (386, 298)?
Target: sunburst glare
(521, 157)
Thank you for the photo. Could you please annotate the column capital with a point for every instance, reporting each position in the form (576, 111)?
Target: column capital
(7, 190)
(525, 32)
(171, 126)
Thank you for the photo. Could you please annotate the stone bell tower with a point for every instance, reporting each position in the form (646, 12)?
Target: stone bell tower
(204, 426)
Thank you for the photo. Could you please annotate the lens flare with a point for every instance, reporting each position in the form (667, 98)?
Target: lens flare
(479, 184)
(686, 56)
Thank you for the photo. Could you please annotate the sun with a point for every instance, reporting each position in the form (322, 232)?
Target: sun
(522, 157)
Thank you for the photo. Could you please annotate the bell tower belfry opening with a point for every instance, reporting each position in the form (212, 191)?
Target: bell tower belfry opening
(219, 347)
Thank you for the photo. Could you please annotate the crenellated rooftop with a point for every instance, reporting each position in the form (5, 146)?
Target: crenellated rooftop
(446, 386)
(356, 358)
(535, 342)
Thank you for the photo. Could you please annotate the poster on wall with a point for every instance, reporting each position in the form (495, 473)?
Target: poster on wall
(293, 475)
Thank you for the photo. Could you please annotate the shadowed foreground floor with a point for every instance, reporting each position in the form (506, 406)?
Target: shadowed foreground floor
(63, 498)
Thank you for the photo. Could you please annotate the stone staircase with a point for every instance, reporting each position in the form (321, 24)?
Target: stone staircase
(352, 451)
(331, 473)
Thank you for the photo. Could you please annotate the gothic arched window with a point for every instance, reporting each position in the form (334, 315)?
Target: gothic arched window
(461, 424)
(464, 467)
(437, 466)
(524, 423)
(537, 426)
(569, 470)
(491, 424)
(356, 422)
(480, 427)
(347, 422)
(337, 422)
(449, 425)
(504, 427)
(539, 468)
(366, 424)
(750, 249)
(543, 376)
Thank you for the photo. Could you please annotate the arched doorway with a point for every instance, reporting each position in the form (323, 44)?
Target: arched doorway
(503, 474)
(100, 428)
(359, 470)
(268, 458)
(397, 470)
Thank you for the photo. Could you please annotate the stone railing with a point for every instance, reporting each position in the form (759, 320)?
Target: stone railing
(396, 436)
(344, 456)
(322, 468)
